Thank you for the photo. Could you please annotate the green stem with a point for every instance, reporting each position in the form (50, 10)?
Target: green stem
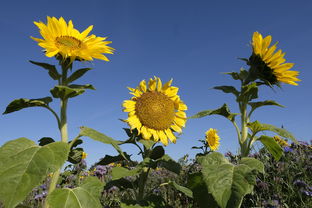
(244, 134)
(62, 127)
(142, 180)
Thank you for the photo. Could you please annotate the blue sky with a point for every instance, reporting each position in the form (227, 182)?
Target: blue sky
(192, 42)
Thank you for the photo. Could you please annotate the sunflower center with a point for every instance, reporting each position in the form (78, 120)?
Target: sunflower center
(68, 41)
(155, 110)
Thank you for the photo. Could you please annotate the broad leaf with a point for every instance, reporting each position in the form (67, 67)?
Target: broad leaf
(242, 75)
(223, 111)
(272, 146)
(75, 155)
(51, 68)
(228, 183)
(169, 164)
(24, 165)
(121, 183)
(182, 189)
(255, 105)
(95, 135)
(120, 172)
(77, 74)
(70, 91)
(85, 196)
(110, 159)
(147, 143)
(22, 103)
(228, 89)
(256, 127)
(200, 192)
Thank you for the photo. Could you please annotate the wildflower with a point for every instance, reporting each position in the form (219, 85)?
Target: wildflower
(280, 141)
(84, 155)
(288, 149)
(61, 38)
(156, 110)
(212, 139)
(270, 66)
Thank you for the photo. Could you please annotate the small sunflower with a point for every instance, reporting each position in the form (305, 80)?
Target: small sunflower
(84, 155)
(271, 65)
(156, 110)
(60, 38)
(212, 139)
(280, 141)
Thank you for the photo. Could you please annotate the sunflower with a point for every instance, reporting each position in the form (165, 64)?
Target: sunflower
(84, 155)
(271, 65)
(156, 110)
(60, 38)
(212, 139)
(280, 141)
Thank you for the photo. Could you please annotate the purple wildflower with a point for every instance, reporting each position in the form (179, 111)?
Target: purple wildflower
(288, 149)
(300, 183)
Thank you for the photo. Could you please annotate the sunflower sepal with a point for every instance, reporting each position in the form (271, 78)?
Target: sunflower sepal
(51, 69)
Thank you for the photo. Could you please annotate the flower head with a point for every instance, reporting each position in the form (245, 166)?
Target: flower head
(84, 155)
(270, 66)
(61, 38)
(212, 139)
(156, 110)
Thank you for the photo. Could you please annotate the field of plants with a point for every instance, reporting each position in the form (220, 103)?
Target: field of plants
(54, 174)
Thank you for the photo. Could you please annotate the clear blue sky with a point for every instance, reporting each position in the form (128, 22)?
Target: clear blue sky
(189, 41)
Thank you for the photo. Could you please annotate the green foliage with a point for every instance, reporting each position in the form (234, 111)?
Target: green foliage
(95, 135)
(182, 189)
(169, 164)
(242, 75)
(110, 159)
(272, 146)
(51, 68)
(228, 183)
(157, 152)
(248, 93)
(24, 165)
(22, 103)
(45, 140)
(85, 196)
(256, 127)
(255, 105)
(120, 172)
(223, 111)
(228, 89)
(77, 74)
(65, 92)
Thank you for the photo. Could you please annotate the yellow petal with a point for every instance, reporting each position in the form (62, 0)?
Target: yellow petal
(142, 86)
(163, 137)
(170, 135)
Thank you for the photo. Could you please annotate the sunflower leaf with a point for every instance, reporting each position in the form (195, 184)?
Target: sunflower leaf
(169, 164)
(22, 103)
(51, 68)
(24, 165)
(182, 189)
(272, 146)
(228, 89)
(255, 105)
(228, 183)
(120, 172)
(223, 111)
(111, 159)
(95, 135)
(248, 93)
(256, 127)
(77, 74)
(85, 196)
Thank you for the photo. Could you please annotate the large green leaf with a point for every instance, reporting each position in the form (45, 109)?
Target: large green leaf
(228, 183)
(223, 111)
(22, 103)
(110, 159)
(51, 68)
(272, 146)
(255, 105)
(95, 135)
(200, 192)
(120, 172)
(77, 74)
(228, 89)
(85, 196)
(24, 165)
(256, 127)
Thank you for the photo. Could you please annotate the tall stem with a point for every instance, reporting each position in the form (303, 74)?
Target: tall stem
(62, 126)
(244, 135)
